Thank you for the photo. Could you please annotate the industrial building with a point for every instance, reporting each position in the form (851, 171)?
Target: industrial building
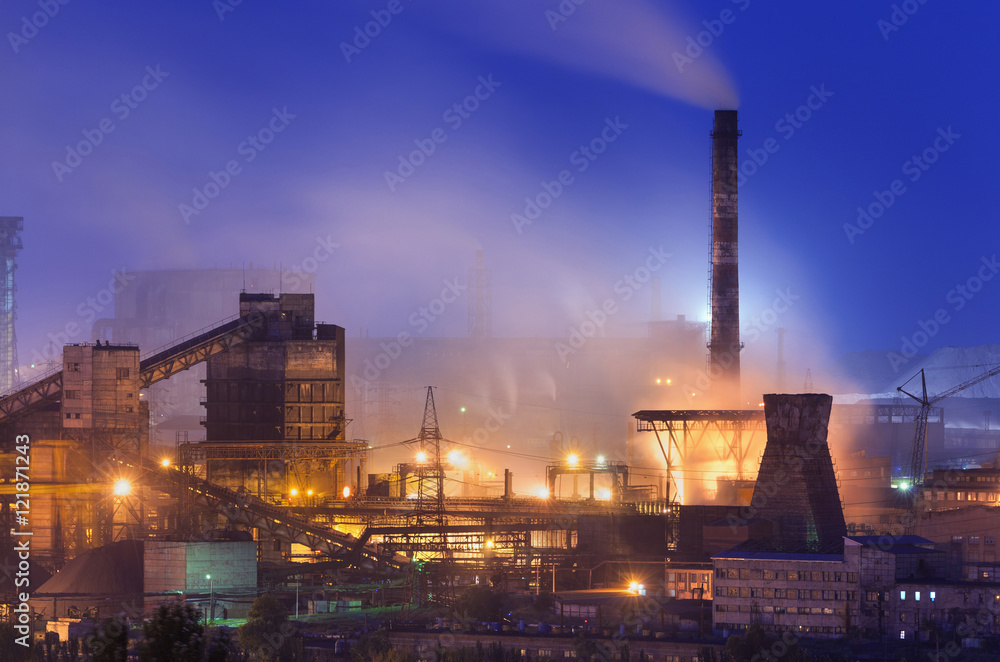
(212, 442)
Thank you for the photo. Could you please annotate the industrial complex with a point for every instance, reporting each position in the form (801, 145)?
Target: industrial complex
(212, 441)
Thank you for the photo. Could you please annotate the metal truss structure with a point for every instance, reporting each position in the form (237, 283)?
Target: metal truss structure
(732, 433)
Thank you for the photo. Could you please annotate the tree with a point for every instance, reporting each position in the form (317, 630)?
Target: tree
(479, 603)
(174, 633)
(220, 645)
(267, 635)
(376, 647)
(109, 641)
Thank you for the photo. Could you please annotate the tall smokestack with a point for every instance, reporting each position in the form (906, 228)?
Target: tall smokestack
(780, 373)
(724, 346)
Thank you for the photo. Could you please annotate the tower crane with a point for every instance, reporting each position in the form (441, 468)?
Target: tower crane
(918, 461)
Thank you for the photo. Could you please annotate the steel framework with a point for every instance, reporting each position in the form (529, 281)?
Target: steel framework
(732, 431)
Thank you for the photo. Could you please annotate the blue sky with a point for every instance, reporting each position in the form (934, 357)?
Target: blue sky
(224, 76)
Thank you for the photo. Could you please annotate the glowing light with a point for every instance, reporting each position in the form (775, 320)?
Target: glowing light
(122, 487)
(659, 381)
(904, 486)
(456, 458)
(490, 544)
(294, 492)
(600, 459)
(572, 459)
(692, 395)
(165, 462)
(604, 494)
(542, 492)
(462, 409)
(309, 492)
(421, 457)
(347, 492)
(633, 587)
(668, 381)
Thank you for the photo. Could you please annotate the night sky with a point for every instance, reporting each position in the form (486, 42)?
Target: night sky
(118, 117)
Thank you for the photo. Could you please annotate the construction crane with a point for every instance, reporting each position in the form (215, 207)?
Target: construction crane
(918, 461)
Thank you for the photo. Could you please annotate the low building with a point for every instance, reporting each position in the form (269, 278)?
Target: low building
(817, 592)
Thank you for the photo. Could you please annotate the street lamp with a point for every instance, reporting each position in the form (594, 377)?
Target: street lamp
(211, 599)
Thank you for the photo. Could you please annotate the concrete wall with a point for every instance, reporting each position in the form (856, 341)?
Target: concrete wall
(180, 568)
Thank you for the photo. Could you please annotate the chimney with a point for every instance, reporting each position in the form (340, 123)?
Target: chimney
(724, 345)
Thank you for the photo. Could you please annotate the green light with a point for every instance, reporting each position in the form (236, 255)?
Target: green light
(462, 410)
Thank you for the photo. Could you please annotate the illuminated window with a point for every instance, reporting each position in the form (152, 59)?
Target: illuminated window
(902, 634)
(933, 595)
(916, 596)
(902, 595)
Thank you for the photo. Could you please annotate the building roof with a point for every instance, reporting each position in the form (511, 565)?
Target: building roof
(896, 544)
(112, 569)
(770, 549)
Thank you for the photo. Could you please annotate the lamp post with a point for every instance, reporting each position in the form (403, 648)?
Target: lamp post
(211, 599)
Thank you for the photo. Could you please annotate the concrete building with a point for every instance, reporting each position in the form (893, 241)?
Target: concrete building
(219, 576)
(822, 593)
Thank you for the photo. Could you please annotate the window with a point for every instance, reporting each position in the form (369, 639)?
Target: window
(916, 596)
(769, 574)
(902, 595)
(744, 573)
(933, 595)
(128, 410)
(852, 577)
(72, 394)
(121, 373)
(902, 634)
(956, 538)
(779, 593)
(973, 540)
(733, 573)
(989, 540)
(72, 367)
(793, 575)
